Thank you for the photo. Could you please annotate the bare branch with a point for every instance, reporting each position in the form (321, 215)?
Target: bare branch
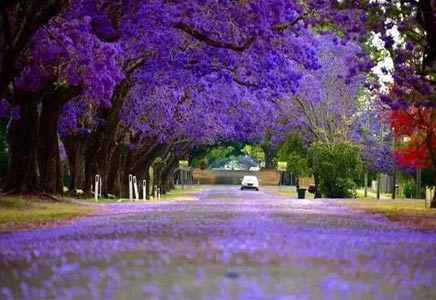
(135, 63)
(211, 42)
(244, 83)
(286, 25)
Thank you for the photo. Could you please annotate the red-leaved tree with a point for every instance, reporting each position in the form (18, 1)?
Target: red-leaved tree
(418, 124)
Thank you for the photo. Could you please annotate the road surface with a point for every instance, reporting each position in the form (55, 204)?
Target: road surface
(228, 244)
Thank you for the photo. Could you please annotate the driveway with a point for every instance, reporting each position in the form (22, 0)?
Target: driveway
(229, 244)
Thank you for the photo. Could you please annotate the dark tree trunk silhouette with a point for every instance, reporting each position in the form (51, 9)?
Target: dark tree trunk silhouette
(23, 141)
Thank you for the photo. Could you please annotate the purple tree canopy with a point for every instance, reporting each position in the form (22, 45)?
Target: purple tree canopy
(326, 104)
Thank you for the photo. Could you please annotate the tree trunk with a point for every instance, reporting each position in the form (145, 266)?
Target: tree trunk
(22, 135)
(48, 140)
(143, 162)
(75, 147)
(431, 136)
(167, 175)
(48, 147)
(114, 173)
(269, 155)
(317, 192)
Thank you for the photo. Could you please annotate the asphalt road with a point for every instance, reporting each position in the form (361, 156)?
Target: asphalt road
(228, 244)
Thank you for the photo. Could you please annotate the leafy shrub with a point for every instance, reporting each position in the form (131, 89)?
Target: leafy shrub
(407, 189)
(338, 167)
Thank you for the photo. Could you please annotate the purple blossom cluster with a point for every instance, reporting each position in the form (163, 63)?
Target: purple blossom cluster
(227, 245)
(325, 105)
(182, 74)
(68, 50)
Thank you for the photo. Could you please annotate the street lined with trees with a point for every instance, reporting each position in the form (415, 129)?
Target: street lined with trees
(117, 87)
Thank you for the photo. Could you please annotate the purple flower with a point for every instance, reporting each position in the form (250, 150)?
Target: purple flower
(410, 46)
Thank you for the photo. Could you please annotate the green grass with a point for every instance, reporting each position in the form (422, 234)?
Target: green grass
(415, 206)
(182, 194)
(410, 212)
(100, 200)
(373, 195)
(18, 213)
(178, 193)
(285, 191)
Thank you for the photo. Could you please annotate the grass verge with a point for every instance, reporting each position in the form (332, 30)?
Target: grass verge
(411, 213)
(288, 192)
(177, 193)
(26, 213)
(182, 194)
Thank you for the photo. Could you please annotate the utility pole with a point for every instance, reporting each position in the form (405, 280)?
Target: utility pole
(379, 174)
(394, 168)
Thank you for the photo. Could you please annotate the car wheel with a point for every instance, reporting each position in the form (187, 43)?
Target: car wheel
(242, 188)
(257, 189)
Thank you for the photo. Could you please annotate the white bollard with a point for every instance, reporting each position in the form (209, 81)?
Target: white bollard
(155, 192)
(429, 192)
(100, 185)
(144, 186)
(158, 193)
(96, 188)
(130, 187)
(135, 187)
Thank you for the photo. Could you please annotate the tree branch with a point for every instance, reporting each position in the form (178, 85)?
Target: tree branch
(427, 20)
(211, 42)
(134, 63)
(285, 25)
(244, 83)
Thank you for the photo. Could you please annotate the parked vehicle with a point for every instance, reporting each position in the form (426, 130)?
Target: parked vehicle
(250, 182)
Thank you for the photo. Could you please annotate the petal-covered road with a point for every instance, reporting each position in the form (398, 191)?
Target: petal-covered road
(230, 244)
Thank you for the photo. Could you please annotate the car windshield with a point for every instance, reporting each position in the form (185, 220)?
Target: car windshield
(249, 178)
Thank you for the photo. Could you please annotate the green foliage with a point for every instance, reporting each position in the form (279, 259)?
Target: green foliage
(427, 177)
(298, 164)
(219, 154)
(254, 151)
(203, 164)
(293, 152)
(338, 166)
(408, 188)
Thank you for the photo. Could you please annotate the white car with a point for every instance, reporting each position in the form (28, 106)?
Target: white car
(250, 182)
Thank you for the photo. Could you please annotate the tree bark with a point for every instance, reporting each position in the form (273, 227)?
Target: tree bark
(269, 156)
(22, 135)
(115, 172)
(48, 140)
(167, 174)
(48, 147)
(75, 146)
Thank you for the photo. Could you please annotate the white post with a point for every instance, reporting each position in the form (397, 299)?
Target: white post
(96, 189)
(429, 192)
(158, 193)
(130, 187)
(99, 184)
(135, 186)
(144, 186)
(155, 192)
